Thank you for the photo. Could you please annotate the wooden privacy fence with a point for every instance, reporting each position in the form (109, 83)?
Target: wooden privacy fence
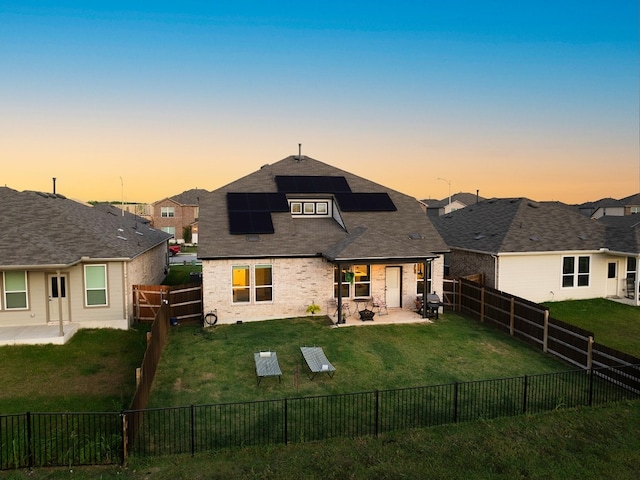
(185, 302)
(531, 322)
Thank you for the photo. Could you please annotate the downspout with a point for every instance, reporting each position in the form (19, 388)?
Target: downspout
(495, 272)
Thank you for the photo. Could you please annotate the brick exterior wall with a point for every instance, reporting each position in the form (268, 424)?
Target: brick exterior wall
(296, 283)
(184, 215)
(463, 263)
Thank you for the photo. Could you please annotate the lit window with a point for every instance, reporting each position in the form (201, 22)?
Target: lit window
(95, 285)
(420, 278)
(240, 284)
(362, 280)
(264, 287)
(15, 290)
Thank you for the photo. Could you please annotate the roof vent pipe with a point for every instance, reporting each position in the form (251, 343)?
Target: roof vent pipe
(299, 152)
(54, 185)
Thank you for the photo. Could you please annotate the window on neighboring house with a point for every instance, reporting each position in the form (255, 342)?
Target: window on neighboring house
(575, 271)
(362, 280)
(420, 278)
(15, 290)
(167, 212)
(95, 285)
(264, 287)
(634, 210)
(170, 230)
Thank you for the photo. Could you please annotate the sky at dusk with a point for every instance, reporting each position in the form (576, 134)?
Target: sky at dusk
(142, 100)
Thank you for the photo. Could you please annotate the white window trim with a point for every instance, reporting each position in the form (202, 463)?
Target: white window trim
(167, 212)
(576, 271)
(252, 284)
(87, 289)
(25, 291)
(308, 208)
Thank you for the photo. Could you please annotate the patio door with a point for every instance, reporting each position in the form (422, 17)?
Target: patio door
(58, 302)
(392, 286)
(612, 279)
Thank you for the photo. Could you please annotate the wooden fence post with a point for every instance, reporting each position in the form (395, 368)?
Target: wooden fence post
(482, 305)
(545, 336)
(590, 353)
(138, 376)
(512, 316)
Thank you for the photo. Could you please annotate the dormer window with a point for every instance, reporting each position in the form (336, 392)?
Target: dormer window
(309, 208)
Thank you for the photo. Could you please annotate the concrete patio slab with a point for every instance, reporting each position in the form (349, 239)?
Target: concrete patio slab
(37, 334)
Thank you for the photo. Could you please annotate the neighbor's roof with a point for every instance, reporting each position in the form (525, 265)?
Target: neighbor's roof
(189, 197)
(623, 233)
(42, 229)
(405, 233)
(462, 197)
(502, 225)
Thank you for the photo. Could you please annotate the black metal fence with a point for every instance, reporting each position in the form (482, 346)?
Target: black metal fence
(64, 439)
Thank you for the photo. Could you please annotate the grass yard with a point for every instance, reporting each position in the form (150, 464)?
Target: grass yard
(215, 365)
(614, 324)
(93, 372)
(180, 274)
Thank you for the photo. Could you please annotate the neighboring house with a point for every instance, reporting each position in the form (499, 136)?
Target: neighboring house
(611, 207)
(301, 231)
(541, 251)
(173, 214)
(446, 205)
(64, 262)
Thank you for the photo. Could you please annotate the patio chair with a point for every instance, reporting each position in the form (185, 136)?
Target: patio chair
(317, 361)
(267, 365)
(332, 306)
(380, 305)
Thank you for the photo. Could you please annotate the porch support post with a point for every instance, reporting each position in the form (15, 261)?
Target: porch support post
(339, 293)
(59, 282)
(424, 288)
(635, 283)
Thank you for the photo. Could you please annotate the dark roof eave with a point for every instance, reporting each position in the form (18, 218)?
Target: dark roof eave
(401, 259)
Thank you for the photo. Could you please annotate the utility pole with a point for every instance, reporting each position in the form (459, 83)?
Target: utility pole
(449, 183)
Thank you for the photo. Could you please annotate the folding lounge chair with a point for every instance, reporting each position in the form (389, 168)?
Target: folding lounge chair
(317, 361)
(267, 365)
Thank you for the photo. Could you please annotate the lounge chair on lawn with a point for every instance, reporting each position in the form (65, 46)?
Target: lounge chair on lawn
(317, 361)
(267, 365)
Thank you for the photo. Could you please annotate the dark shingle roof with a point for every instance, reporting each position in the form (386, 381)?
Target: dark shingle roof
(462, 197)
(190, 197)
(40, 229)
(366, 234)
(520, 225)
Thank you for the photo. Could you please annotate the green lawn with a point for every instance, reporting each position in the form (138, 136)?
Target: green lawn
(215, 365)
(614, 324)
(93, 372)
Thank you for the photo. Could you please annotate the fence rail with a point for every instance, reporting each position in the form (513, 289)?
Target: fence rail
(62, 439)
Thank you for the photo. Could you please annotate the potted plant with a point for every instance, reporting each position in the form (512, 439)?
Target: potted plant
(313, 308)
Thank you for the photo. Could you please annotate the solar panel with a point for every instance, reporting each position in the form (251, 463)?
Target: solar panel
(365, 202)
(257, 202)
(311, 184)
(245, 223)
